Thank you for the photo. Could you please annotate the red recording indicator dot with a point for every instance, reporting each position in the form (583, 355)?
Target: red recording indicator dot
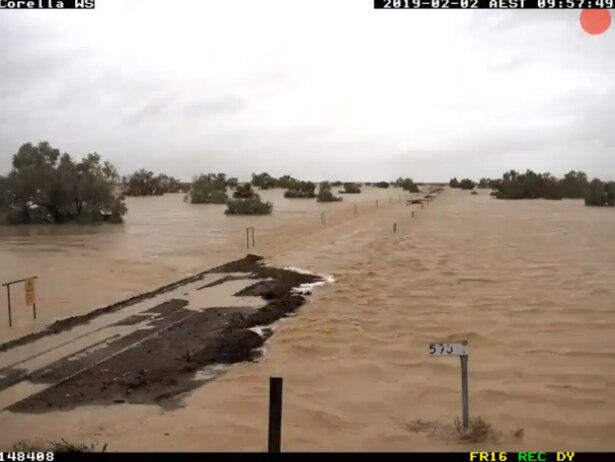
(595, 22)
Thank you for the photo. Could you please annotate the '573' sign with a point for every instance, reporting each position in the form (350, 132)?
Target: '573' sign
(448, 349)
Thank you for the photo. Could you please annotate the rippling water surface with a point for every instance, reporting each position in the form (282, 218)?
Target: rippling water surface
(531, 285)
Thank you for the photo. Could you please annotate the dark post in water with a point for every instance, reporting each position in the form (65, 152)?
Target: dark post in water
(465, 399)
(275, 414)
(8, 299)
(250, 231)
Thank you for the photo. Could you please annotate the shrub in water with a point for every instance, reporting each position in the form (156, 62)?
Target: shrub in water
(251, 206)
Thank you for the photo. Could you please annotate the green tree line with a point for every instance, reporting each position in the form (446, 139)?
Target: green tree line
(532, 185)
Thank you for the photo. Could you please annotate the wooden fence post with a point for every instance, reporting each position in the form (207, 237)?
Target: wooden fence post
(250, 234)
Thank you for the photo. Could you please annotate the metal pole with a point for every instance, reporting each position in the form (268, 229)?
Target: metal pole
(247, 238)
(275, 414)
(8, 298)
(465, 405)
(34, 310)
(253, 239)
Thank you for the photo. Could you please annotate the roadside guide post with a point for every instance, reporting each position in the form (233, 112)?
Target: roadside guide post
(460, 349)
(250, 233)
(8, 299)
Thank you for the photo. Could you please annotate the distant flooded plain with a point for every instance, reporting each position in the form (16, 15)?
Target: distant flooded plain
(530, 284)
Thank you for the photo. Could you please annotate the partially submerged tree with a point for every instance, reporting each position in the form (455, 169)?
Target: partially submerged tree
(171, 184)
(146, 183)
(600, 193)
(301, 190)
(528, 185)
(382, 184)
(287, 182)
(244, 191)
(46, 187)
(263, 180)
(467, 184)
(218, 180)
(325, 194)
(407, 184)
(574, 185)
(251, 206)
(350, 188)
(532, 185)
(232, 182)
(208, 189)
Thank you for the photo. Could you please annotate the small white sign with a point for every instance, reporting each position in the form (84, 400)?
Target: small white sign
(448, 349)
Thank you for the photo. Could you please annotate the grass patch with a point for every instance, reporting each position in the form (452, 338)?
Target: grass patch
(479, 430)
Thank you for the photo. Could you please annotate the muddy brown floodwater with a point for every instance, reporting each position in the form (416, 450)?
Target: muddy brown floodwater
(134, 352)
(530, 284)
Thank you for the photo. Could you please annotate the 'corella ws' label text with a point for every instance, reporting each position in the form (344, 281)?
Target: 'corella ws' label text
(46, 4)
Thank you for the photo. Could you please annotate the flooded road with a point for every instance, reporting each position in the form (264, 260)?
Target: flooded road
(83, 267)
(530, 284)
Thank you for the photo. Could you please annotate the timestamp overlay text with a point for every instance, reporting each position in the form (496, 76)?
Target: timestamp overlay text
(493, 4)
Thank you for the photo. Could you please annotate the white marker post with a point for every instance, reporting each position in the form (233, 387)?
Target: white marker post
(457, 349)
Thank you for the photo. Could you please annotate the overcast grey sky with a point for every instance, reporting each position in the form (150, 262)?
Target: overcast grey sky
(317, 89)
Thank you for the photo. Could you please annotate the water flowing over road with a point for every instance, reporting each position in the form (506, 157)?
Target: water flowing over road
(528, 283)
